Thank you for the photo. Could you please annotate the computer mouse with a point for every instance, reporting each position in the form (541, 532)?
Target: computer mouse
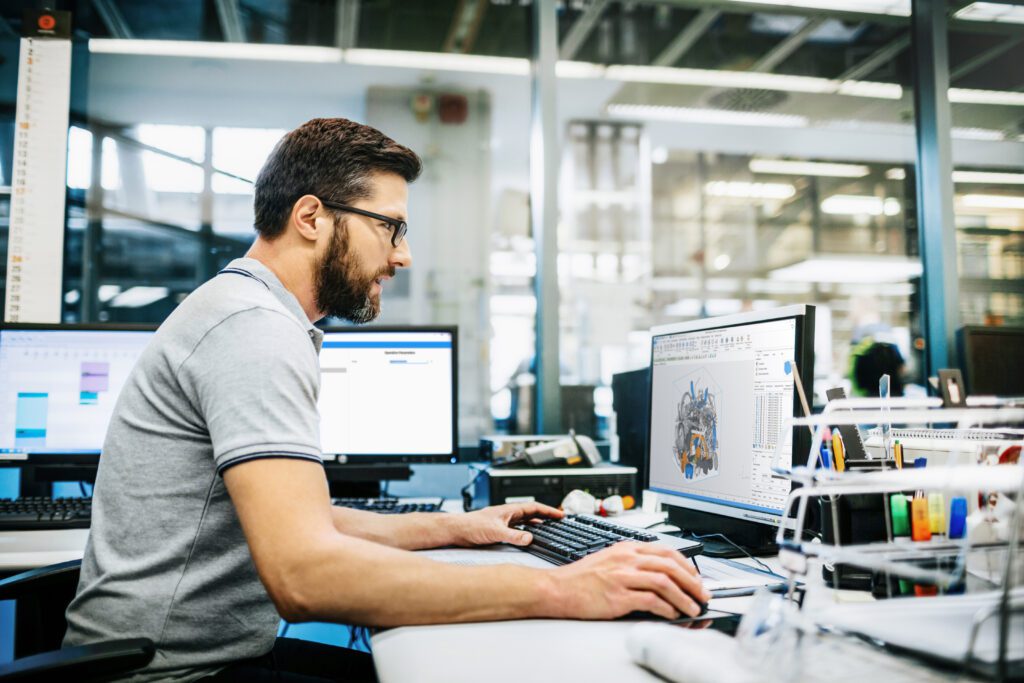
(650, 616)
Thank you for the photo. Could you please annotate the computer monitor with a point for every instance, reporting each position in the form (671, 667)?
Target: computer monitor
(991, 360)
(720, 391)
(388, 394)
(58, 387)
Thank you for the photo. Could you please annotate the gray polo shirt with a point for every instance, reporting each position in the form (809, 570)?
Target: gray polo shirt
(232, 375)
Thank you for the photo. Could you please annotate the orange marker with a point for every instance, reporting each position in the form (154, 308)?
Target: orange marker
(920, 525)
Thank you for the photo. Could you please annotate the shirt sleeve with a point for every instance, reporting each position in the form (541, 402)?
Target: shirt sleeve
(255, 379)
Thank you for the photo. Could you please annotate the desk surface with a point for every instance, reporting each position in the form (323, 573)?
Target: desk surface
(21, 550)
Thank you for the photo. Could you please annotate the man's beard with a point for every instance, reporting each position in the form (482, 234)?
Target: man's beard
(342, 288)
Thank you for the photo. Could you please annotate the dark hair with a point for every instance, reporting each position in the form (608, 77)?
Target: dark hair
(331, 159)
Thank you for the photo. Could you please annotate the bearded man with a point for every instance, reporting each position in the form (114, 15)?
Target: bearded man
(212, 518)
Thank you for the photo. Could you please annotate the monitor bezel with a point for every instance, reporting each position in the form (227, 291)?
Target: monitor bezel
(373, 458)
(803, 314)
(58, 457)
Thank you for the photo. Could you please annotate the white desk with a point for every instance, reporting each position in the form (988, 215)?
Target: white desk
(21, 550)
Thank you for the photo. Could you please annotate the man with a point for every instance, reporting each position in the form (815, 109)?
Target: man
(211, 513)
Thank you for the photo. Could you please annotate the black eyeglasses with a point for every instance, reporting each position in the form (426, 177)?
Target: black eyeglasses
(398, 228)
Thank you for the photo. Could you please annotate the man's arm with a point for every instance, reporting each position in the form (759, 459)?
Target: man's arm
(419, 530)
(314, 572)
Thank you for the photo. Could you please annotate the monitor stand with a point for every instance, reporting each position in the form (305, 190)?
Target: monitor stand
(363, 480)
(753, 539)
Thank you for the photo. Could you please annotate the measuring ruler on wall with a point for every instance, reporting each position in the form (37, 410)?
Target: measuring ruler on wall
(35, 246)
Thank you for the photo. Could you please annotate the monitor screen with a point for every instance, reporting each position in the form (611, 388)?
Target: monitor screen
(720, 391)
(389, 394)
(59, 384)
(991, 359)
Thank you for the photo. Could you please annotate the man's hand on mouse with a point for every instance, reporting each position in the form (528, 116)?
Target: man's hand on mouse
(630, 577)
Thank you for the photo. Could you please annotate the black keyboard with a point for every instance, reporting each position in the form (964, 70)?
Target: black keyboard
(573, 537)
(387, 506)
(37, 513)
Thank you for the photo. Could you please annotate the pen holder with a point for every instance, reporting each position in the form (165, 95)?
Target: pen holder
(860, 518)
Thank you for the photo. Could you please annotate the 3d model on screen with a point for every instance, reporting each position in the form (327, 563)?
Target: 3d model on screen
(696, 445)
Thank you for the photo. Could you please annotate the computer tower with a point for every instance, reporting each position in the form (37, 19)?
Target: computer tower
(630, 397)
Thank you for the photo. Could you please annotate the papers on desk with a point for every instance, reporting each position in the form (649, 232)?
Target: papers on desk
(938, 627)
(725, 578)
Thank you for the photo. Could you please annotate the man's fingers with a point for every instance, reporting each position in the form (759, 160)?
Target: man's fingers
(688, 582)
(534, 509)
(668, 553)
(651, 602)
(666, 589)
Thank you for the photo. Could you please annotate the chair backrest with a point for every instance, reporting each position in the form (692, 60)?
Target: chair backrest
(42, 597)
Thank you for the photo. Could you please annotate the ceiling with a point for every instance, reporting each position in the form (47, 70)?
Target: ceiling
(722, 35)
(710, 35)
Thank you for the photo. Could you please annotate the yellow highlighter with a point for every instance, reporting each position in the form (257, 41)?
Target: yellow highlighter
(897, 454)
(838, 452)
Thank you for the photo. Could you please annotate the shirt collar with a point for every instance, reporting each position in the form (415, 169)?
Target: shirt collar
(257, 270)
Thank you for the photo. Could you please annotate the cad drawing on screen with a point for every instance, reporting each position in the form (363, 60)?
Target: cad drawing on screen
(696, 446)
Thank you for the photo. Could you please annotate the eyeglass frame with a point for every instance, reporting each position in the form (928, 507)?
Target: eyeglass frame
(398, 228)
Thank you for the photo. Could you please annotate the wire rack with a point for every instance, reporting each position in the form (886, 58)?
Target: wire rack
(939, 562)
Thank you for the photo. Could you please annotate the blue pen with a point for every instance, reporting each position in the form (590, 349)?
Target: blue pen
(826, 457)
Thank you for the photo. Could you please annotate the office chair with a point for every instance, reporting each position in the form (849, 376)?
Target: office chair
(43, 595)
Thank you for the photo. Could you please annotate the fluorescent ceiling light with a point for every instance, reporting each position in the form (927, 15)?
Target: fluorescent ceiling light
(515, 66)
(992, 201)
(439, 61)
(815, 168)
(849, 269)
(567, 69)
(982, 177)
(694, 115)
(884, 91)
(973, 96)
(745, 190)
(896, 8)
(136, 297)
(992, 11)
(856, 205)
(720, 78)
(988, 178)
(189, 48)
(976, 133)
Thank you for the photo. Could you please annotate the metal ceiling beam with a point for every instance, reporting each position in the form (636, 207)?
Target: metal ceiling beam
(580, 30)
(346, 23)
(790, 44)
(688, 37)
(112, 18)
(884, 54)
(465, 26)
(231, 21)
(984, 58)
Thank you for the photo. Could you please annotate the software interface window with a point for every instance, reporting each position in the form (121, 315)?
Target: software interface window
(718, 401)
(386, 393)
(58, 387)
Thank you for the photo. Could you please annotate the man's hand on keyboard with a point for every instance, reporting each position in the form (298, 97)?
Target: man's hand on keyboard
(494, 524)
(630, 577)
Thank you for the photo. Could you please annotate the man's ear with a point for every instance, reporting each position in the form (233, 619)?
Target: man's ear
(305, 211)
